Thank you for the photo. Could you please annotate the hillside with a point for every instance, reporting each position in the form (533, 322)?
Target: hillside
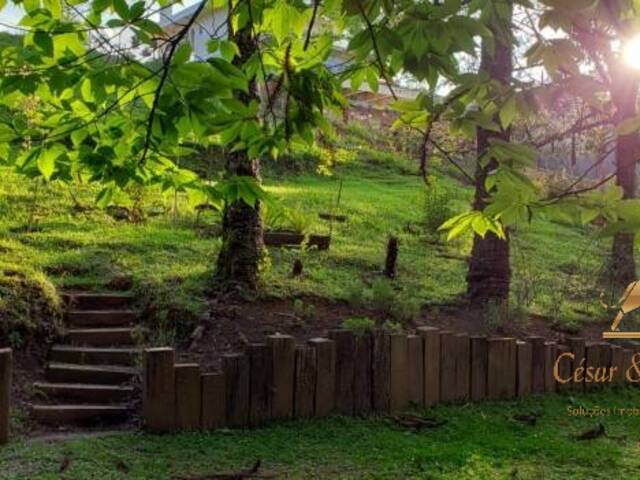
(54, 235)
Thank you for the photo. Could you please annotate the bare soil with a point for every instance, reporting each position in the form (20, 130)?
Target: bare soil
(232, 325)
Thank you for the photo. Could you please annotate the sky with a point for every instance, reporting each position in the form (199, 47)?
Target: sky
(10, 14)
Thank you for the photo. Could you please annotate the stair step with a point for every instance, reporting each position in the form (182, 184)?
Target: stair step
(97, 301)
(94, 355)
(68, 413)
(101, 336)
(101, 318)
(85, 392)
(95, 374)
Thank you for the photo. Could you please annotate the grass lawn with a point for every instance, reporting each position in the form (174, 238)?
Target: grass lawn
(476, 442)
(54, 234)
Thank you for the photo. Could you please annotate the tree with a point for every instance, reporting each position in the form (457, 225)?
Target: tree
(242, 242)
(101, 111)
(593, 33)
(489, 274)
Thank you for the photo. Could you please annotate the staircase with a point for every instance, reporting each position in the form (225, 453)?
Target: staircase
(88, 378)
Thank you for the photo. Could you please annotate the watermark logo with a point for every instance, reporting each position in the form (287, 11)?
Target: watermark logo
(629, 302)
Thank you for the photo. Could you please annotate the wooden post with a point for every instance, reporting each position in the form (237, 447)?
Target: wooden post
(448, 352)
(501, 378)
(214, 401)
(431, 336)
(381, 362)
(617, 362)
(6, 367)
(399, 372)
(628, 362)
(283, 371)
(524, 354)
(304, 395)
(188, 396)
(549, 359)
(325, 394)
(577, 346)
(415, 360)
(159, 391)
(345, 369)
(593, 360)
(463, 367)
(261, 376)
(478, 368)
(564, 368)
(362, 380)
(537, 364)
(236, 372)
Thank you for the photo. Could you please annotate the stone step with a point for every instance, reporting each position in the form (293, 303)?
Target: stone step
(69, 413)
(94, 374)
(101, 318)
(99, 337)
(97, 301)
(94, 355)
(84, 392)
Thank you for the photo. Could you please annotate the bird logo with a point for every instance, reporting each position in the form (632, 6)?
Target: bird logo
(629, 302)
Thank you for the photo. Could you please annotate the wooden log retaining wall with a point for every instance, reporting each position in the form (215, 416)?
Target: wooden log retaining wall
(6, 366)
(357, 374)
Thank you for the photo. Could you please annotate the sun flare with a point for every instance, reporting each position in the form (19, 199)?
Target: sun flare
(631, 53)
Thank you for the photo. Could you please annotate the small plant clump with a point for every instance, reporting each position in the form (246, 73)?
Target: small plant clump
(359, 325)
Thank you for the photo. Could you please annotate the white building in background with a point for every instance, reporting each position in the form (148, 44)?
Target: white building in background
(212, 23)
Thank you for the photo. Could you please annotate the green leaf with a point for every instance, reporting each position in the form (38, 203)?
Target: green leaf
(182, 54)
(44, 42)
(508, 112)
(47, 160)
(121, 8)
(229, 50)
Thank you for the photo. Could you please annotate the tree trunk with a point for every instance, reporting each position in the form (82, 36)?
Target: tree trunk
(624, 96)
(489, 271)
(242, 243)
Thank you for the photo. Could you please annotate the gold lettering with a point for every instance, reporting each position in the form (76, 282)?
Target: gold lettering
(556, 368)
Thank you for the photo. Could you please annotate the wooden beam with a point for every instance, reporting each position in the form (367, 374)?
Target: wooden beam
(345, 370)
(362, 380)
(431, 336)
(283, 371)
(325, 394)
(305, 386)
(188, 396)
(214, 401)
(381, 381)
(399, 372)
(415, 361)
(524, 354)
(236, 372)
(6, 368)
(479, 359)
(261, 381)
(501, 379)
(159, 390)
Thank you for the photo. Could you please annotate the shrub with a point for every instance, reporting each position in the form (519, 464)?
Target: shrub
(29, 307)
(437, 204)
(359, 325)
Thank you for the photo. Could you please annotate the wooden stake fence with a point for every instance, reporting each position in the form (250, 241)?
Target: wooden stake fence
(354, 374)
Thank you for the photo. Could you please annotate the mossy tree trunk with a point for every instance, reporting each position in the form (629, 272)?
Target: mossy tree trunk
(489, 273)
(624, 96)
(242, 242)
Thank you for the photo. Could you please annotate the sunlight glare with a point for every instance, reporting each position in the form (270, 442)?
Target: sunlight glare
(631, 53)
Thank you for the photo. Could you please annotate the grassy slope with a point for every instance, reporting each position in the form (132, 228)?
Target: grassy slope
(477, 442)
(85, 247)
